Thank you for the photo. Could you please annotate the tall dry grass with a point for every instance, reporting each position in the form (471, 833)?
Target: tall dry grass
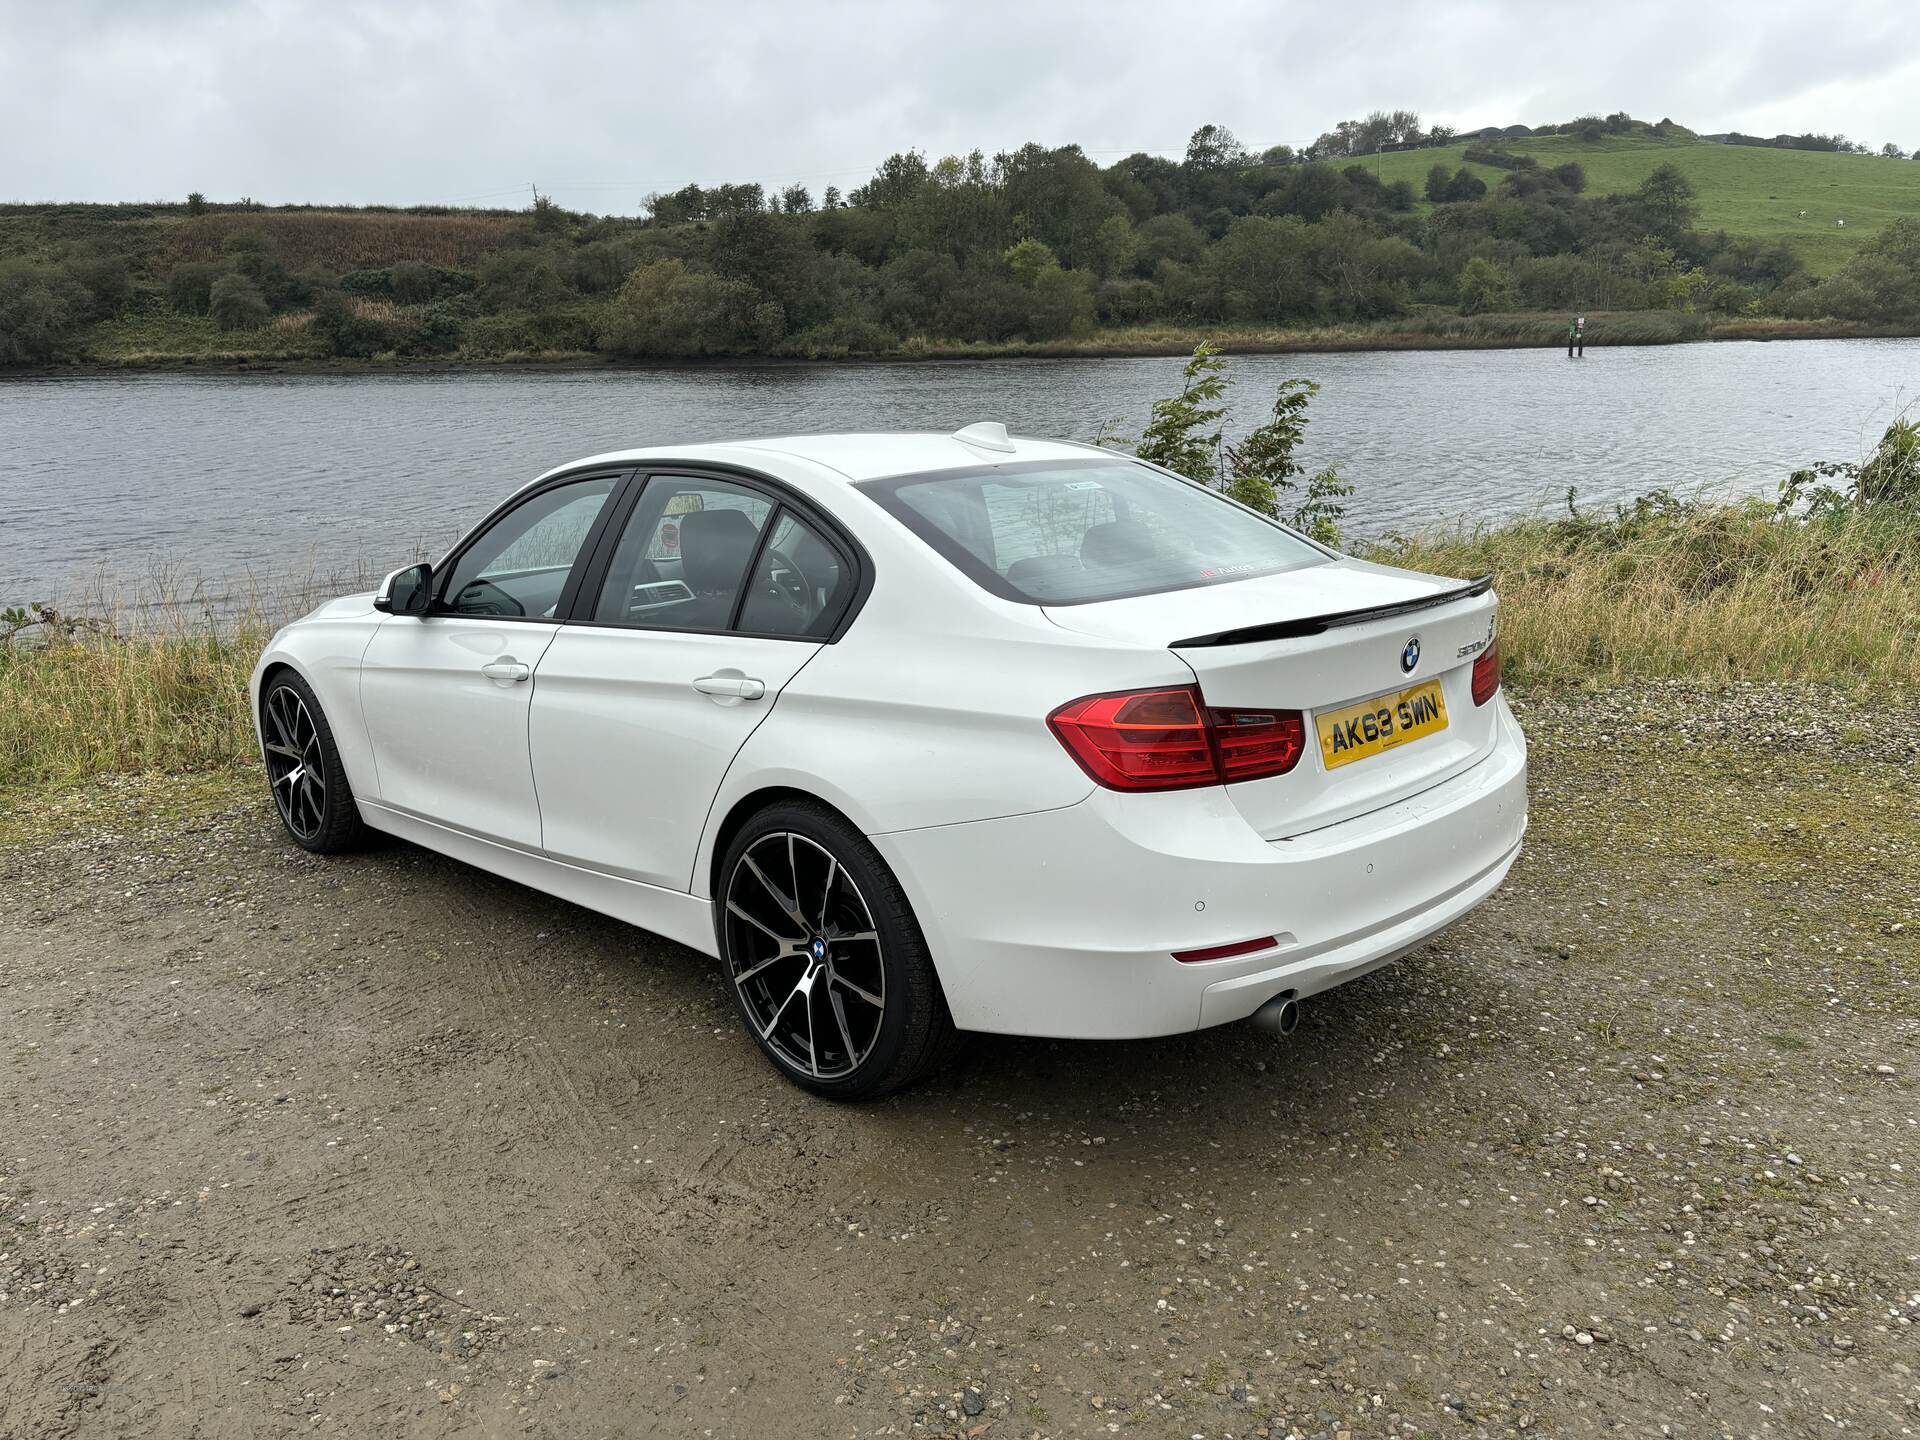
(148, 678)
(96, 704)
(1719, 592)
(349, 239)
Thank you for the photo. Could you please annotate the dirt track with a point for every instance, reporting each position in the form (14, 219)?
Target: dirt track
(385, 1146)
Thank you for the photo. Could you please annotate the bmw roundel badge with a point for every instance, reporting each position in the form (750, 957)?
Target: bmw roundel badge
(1410, 656)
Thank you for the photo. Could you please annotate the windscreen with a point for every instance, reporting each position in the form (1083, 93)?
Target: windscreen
(1068, 532)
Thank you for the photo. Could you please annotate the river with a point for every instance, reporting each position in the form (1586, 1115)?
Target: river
(109, 481)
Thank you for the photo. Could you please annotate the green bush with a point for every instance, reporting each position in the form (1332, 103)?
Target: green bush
(190, 285)
(412, 282)
(105, 278)
(668, 309)
(345, 332)
(237, 304)
(40, 310)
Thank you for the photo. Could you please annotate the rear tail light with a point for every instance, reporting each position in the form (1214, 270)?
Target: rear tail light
(1171, 740)
(1486, 673)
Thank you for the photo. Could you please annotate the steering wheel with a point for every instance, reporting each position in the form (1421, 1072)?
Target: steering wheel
(483, 597)
(793, 584)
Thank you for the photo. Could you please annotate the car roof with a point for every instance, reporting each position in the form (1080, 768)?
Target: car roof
(855, 457)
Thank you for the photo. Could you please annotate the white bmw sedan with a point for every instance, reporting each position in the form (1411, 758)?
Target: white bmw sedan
(921, 734)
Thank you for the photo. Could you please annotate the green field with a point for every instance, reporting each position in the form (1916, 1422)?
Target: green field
(1744, 189)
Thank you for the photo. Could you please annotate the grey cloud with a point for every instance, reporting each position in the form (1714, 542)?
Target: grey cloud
(599, 103)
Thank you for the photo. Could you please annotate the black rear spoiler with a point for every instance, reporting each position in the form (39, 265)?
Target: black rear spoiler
(1319, 624)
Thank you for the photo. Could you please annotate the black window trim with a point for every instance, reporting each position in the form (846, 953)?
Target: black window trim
(593, 575)
(622, 477)
(885, 489)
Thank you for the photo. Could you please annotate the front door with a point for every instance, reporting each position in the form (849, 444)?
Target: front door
(446, 694)
(714, 597)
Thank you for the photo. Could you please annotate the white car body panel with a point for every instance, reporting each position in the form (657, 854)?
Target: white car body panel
(1052, 905)
(605, 691)
(449, 742)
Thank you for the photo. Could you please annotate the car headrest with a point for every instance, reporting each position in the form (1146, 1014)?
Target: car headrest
(715, 546)
(1116, 543)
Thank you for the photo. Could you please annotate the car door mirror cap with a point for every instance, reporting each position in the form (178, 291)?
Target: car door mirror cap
(412, 584)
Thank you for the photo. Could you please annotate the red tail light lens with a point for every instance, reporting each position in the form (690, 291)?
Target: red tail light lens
(1256, 743)
(1486, 673)
(1169, 740)
(1138, 740)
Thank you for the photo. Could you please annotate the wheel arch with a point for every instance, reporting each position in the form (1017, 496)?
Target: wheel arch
(743, 809)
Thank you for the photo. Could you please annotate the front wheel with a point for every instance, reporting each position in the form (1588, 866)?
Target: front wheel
(303, 767)
(826, 963)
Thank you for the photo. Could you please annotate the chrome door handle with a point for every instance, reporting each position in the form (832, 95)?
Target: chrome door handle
(506, 668)
(731, 687)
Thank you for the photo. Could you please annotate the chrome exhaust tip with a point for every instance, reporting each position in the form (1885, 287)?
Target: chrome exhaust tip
(1279, 1016)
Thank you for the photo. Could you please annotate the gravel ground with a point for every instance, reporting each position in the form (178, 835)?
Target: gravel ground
(381, 1144)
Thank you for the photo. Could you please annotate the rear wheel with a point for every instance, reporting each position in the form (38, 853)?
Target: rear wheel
(827, 965)
(303, 767)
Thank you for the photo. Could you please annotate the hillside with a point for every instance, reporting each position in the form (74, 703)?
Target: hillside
(1746, 190)
(1035, 251)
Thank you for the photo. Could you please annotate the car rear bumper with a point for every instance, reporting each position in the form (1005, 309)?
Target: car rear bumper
(1064, 922)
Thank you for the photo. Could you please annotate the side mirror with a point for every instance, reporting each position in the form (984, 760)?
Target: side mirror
(406, 592)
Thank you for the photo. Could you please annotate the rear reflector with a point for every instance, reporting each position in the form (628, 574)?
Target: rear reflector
(1170, 740)
(1222, 952)
(1486, 673)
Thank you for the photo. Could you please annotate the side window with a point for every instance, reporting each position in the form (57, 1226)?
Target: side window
(800, 585)
(683, 555)
(519, 567)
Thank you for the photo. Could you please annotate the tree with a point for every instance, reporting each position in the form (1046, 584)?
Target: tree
(196, 203)
(1028, 260)
(1264, 475)
(1482, 287)
(1891, 151)
(1183, 432)
(668, 309)
(1261, 270)
(40, 309)
(1213, 147)
(896, 183)
(190, 285)
(831, 200)
(795, 200)
(1667, 200)
(1437, 181)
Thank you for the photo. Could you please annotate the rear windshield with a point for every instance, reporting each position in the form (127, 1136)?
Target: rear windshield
(1067, 532)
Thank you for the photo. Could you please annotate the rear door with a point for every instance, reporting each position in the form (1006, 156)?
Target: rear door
(708, 596)
(446, 694)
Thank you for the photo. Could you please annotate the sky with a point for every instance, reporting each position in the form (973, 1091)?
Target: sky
(599, 103)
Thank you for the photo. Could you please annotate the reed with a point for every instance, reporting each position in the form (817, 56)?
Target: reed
(1720, 592)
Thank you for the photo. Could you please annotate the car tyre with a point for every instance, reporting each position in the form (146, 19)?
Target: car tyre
(307, 780)
(825, 962)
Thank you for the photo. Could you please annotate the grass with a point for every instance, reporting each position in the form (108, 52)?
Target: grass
(348, 239)
(101, 704)
(168, 340)
(1718, 592)
(1745, 190)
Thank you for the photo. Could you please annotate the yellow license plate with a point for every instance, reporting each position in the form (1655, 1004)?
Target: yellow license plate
(1382, 723)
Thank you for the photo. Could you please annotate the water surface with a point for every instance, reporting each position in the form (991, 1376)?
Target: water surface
(219, 475)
